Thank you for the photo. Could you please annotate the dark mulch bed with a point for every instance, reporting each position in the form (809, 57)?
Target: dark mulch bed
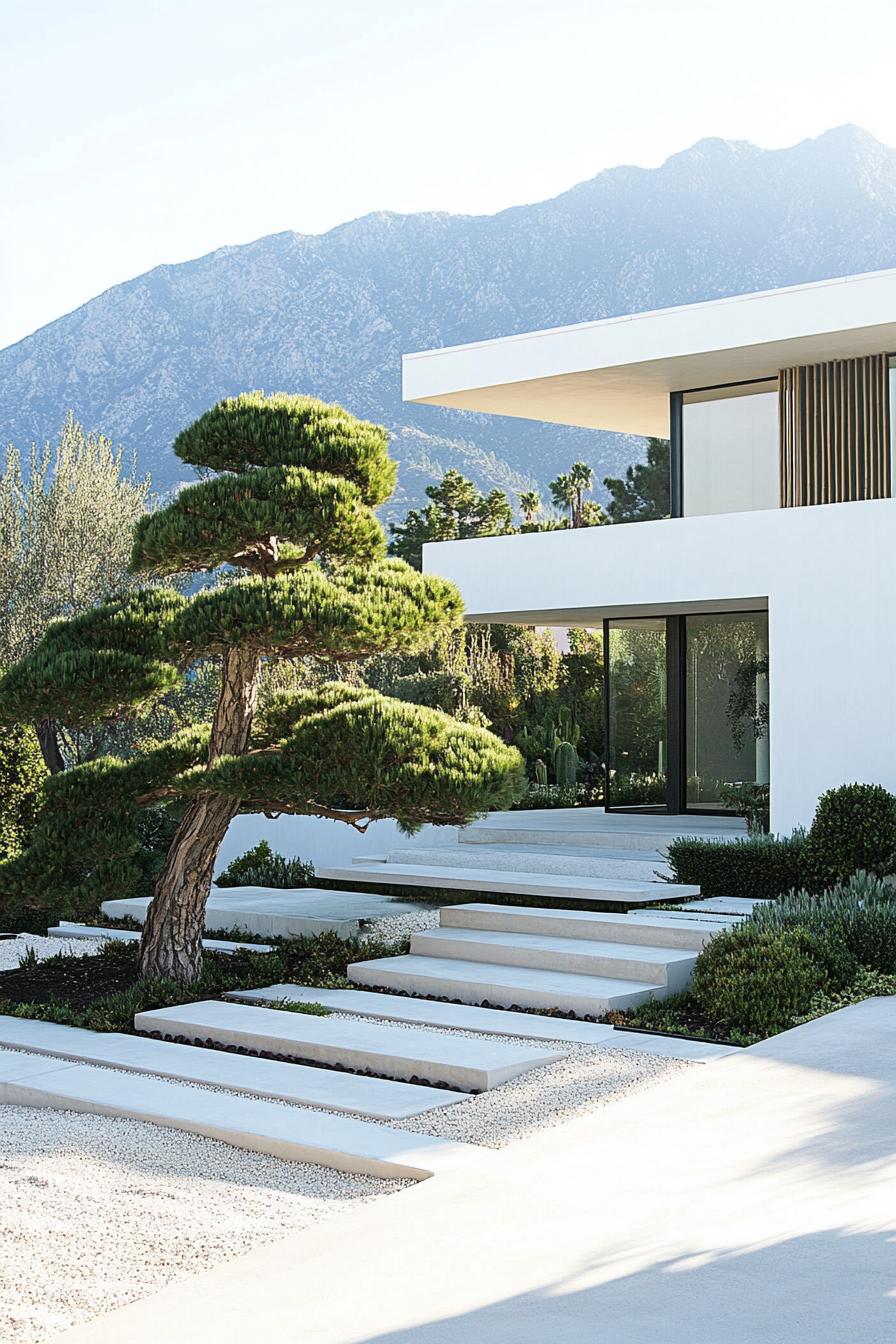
(76, 981)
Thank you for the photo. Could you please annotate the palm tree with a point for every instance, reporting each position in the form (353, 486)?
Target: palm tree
(530, 504)
(563, 493)
(582, 479)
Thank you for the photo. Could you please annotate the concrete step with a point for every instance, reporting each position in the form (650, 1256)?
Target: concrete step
(649, 927)
(383, 1049)
(595, 862)
(480, 982)
(452, 1016)
(723, 905)
(96, 932)
(379, 1098)
(273, 912)
(286, 1132)
(593, 826)
(604, 891)
(663, 966)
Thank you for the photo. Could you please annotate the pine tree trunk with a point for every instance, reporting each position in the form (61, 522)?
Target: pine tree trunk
(171, 945)
(48, 739)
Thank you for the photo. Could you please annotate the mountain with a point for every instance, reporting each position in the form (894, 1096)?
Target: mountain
(332, 314)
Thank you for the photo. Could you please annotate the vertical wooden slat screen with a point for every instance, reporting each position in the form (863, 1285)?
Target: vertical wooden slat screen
(835, 431)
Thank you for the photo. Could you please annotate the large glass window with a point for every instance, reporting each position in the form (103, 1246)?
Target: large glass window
(729, 442)
(726, 705)
(636, 704)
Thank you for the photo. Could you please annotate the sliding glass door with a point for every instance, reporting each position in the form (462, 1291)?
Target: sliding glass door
(726, 706)
(636, 719)
(686, 710)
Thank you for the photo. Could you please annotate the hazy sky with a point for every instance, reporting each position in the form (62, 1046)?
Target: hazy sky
(135, 132)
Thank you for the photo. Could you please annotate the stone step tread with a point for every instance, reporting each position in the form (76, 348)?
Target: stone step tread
(64, 929)
(585, 947)
(539, 860)
(279, 912)
(456, 1016)
(379, 1098)
(559, 985)
(287, 1132)
(481, 854)
(516, 882)
(581, 923)
(722, 905)
(381, 1048)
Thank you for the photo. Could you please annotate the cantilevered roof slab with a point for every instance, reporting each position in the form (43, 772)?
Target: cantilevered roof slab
(617, 374)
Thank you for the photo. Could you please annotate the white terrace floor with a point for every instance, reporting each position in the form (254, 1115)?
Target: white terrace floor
(749, 1201)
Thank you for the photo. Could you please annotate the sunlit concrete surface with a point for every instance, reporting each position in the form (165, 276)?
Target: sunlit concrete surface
(751, 1199)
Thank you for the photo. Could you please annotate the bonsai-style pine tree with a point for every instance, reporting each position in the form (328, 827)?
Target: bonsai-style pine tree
(288, 503)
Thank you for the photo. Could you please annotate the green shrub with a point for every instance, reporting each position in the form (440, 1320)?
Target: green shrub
(761, 866)
(757, 981)
(22, 772)
(854, 828)
(262, 867)
(858, 915)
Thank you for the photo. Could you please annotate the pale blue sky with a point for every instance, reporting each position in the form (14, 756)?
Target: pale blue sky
(135, 132)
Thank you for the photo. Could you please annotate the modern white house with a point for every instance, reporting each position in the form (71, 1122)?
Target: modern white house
(771, 588)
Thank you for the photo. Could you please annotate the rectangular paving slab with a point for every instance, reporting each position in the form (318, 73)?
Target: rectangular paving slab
(654, 928)
(381, 1098)
(286, 1132)
(381, 1048)
(274, 912)
(558, 886)
(486, 983)
(459, 1016)
(96, 931)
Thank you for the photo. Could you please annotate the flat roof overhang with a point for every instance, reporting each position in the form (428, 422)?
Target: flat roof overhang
(617, 374)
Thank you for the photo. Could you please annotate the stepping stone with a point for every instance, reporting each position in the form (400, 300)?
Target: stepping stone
(272, 912)
(66, 930)
(657, 928)
(245, 1122)
(669, 1047)
(478, 982)
(383, 1049)
(459, 1016)
(333, 1091)
(669, 967)
(723, 905)
(643, 865)
(556, 886)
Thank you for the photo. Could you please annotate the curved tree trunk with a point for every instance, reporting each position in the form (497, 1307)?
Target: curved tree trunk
(48, 738)
(171, 945)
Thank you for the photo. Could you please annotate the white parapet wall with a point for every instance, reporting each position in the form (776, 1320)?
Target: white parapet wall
(827, 575)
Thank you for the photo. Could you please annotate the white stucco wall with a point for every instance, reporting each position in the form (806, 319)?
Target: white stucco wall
(827, 574)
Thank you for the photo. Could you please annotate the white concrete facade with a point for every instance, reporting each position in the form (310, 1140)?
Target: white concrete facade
(825, 573)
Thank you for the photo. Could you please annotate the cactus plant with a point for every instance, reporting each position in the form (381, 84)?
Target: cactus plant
(566, 764)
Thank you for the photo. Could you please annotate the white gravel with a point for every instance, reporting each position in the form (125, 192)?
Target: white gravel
(96, 1212)
(13, 949)
(401, 926)
(586, 1076)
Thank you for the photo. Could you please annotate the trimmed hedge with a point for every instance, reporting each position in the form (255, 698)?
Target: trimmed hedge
(762, 866)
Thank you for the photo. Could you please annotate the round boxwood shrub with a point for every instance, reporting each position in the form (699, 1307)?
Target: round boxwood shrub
(854, 828)
(755, 981)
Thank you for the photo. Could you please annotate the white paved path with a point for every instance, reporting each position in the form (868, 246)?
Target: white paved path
(750, 1201)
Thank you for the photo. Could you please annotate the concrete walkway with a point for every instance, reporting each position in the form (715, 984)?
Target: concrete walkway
(750, 1201)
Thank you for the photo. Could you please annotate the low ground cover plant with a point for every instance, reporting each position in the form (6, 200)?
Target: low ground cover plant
(264, 867)
(103, 992)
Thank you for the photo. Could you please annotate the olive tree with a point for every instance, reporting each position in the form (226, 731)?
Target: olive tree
(288, 502)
